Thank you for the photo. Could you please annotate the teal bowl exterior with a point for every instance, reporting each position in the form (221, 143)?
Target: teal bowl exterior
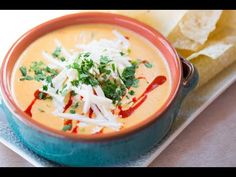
(110, 152)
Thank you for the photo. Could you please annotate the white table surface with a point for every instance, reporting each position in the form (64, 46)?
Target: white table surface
(210, 140)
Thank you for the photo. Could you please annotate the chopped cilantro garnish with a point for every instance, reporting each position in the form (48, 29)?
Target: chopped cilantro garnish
(75, 66)
(67, 127)
(113, 67)
(45, 87)
(49, 79)
(62, 59)
(73, 93)
(57, 52)
(37, 67)
(23, 70)
(87, 54)
(75, 83)
(76, 105)
(50, 70)
(131, 92)
(122, 53)
(135, 83)
(148, 65)
(72, 111)
(104, 60)
(27, 77)
(39, 77)
(128, 76)
(135, 63)
(113, 90)
(42, 96)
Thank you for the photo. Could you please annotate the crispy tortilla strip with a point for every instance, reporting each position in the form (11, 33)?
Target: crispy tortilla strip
(193, 29)
(213, 51)
(198, 24)
(216, 56)
(209, 68)
(162, 20)
(179, 41)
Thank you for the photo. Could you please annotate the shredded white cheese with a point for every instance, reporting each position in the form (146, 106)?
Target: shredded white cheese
(92, 97)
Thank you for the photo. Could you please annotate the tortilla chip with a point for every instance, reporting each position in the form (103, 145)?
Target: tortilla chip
(162, 20)
(198, 24)
(193, 29)
(208, 68)
(179, 41)
(213, 51)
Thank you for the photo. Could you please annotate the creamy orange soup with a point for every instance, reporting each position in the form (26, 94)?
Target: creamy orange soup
(146, 59)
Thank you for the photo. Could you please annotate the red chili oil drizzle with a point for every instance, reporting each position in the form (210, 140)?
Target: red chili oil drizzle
(159, 80)
(75, 129)
(90, 114)
(69, 103)
(67, 122)
(29, 108)
(128, 112)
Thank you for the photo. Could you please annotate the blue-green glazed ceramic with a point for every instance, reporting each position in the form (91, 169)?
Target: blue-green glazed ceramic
(112, 149)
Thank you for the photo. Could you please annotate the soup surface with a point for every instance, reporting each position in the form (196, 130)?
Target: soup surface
(90, 79)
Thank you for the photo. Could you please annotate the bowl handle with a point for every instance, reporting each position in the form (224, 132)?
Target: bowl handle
(190, 76)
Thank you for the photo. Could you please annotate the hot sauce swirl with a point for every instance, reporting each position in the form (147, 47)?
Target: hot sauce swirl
(159, 80)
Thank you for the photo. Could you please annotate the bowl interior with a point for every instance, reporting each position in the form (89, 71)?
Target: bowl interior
(147, 32)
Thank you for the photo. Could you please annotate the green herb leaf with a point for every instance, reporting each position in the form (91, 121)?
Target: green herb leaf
(42, 96)
(104, 60)
(73, 93)
(62, 59)
(23, 70)
(148, 65)
(39, 77)
(67, 127)
(72, 111)
(49, 79)
(128, 75)
(75, 83)
(28, 78)
(135, 83)
(131, 92)
(50, 70)
(57, 52)
(113, 91)
(113, 67)
(45, 87)
(76, 105)
(122, 53)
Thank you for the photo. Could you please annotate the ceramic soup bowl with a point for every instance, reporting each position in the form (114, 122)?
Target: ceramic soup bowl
(98, 150)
